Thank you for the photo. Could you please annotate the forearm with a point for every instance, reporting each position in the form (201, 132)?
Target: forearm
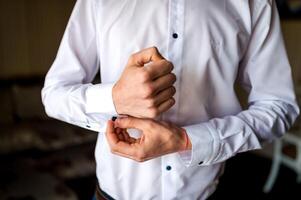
(85, 105)
(68, 94)
(219, 139)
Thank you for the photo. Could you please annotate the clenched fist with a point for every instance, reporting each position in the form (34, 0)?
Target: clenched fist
(145, 91)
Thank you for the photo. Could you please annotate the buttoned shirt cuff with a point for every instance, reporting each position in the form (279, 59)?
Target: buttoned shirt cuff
(99, 99)
(203, 146)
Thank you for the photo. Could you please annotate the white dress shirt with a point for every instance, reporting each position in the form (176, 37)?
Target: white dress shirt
(212, 43)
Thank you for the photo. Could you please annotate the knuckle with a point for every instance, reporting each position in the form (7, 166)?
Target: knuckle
(169, 65)
(144, 75)
(153, 112)
(150, 102)
(173, 90)
(148, 90)
(154, 50)
(141, 156)
(165, 63)
(173, 77)
(172, 101)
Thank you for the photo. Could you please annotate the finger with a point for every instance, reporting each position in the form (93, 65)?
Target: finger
(164, 82)
(121, 134)
(133, 140)
(132, 122)
(164, 95)
(118, 130)
(126, 136)
(121, 137)
(130, 156)
(145, 56)
(125, 149)
(166, 105)
(164, 123)
(159, 68)
(118, 146)
(110, 133)
(125, 155)
(128, 150)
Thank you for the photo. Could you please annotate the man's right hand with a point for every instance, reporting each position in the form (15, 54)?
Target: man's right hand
(145, 91)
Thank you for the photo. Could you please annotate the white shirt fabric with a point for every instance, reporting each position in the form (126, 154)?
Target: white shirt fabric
(217, 43)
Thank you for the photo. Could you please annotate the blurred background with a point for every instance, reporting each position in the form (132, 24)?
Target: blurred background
(41, 158)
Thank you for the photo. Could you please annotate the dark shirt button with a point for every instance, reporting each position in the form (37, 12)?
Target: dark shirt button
(168, 168)
(175, 35)
(200, 163)
(114, 118)
(88, 126)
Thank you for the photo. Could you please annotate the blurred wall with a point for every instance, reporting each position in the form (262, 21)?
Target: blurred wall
(292, 36)
(30, 32)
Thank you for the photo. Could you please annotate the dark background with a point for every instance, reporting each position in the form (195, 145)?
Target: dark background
(289, 9)
(41, 158)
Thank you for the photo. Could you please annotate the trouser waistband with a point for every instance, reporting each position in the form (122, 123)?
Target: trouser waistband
(101, 195)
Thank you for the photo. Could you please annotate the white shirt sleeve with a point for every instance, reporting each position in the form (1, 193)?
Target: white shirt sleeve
(68, 94)
(266, 75)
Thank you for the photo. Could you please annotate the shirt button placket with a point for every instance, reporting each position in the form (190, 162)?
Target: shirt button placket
(175, 35)
(174, 55)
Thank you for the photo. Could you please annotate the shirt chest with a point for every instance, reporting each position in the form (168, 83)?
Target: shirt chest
(190, 33)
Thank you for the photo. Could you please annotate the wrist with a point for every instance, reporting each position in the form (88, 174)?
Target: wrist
(187, 143)
(115, 98)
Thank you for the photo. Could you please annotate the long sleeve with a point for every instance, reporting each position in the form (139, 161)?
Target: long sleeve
(68, 94)
(266, 75)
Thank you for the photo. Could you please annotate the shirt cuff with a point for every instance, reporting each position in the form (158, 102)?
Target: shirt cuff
(203, 147)
(99, 99)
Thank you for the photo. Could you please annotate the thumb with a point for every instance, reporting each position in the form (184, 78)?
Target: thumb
(145, 56)
(110, 133)
(131, 122)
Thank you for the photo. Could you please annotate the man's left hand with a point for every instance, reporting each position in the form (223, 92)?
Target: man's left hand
(157, 139)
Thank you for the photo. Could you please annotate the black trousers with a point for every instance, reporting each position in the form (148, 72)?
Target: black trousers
(101, 195)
